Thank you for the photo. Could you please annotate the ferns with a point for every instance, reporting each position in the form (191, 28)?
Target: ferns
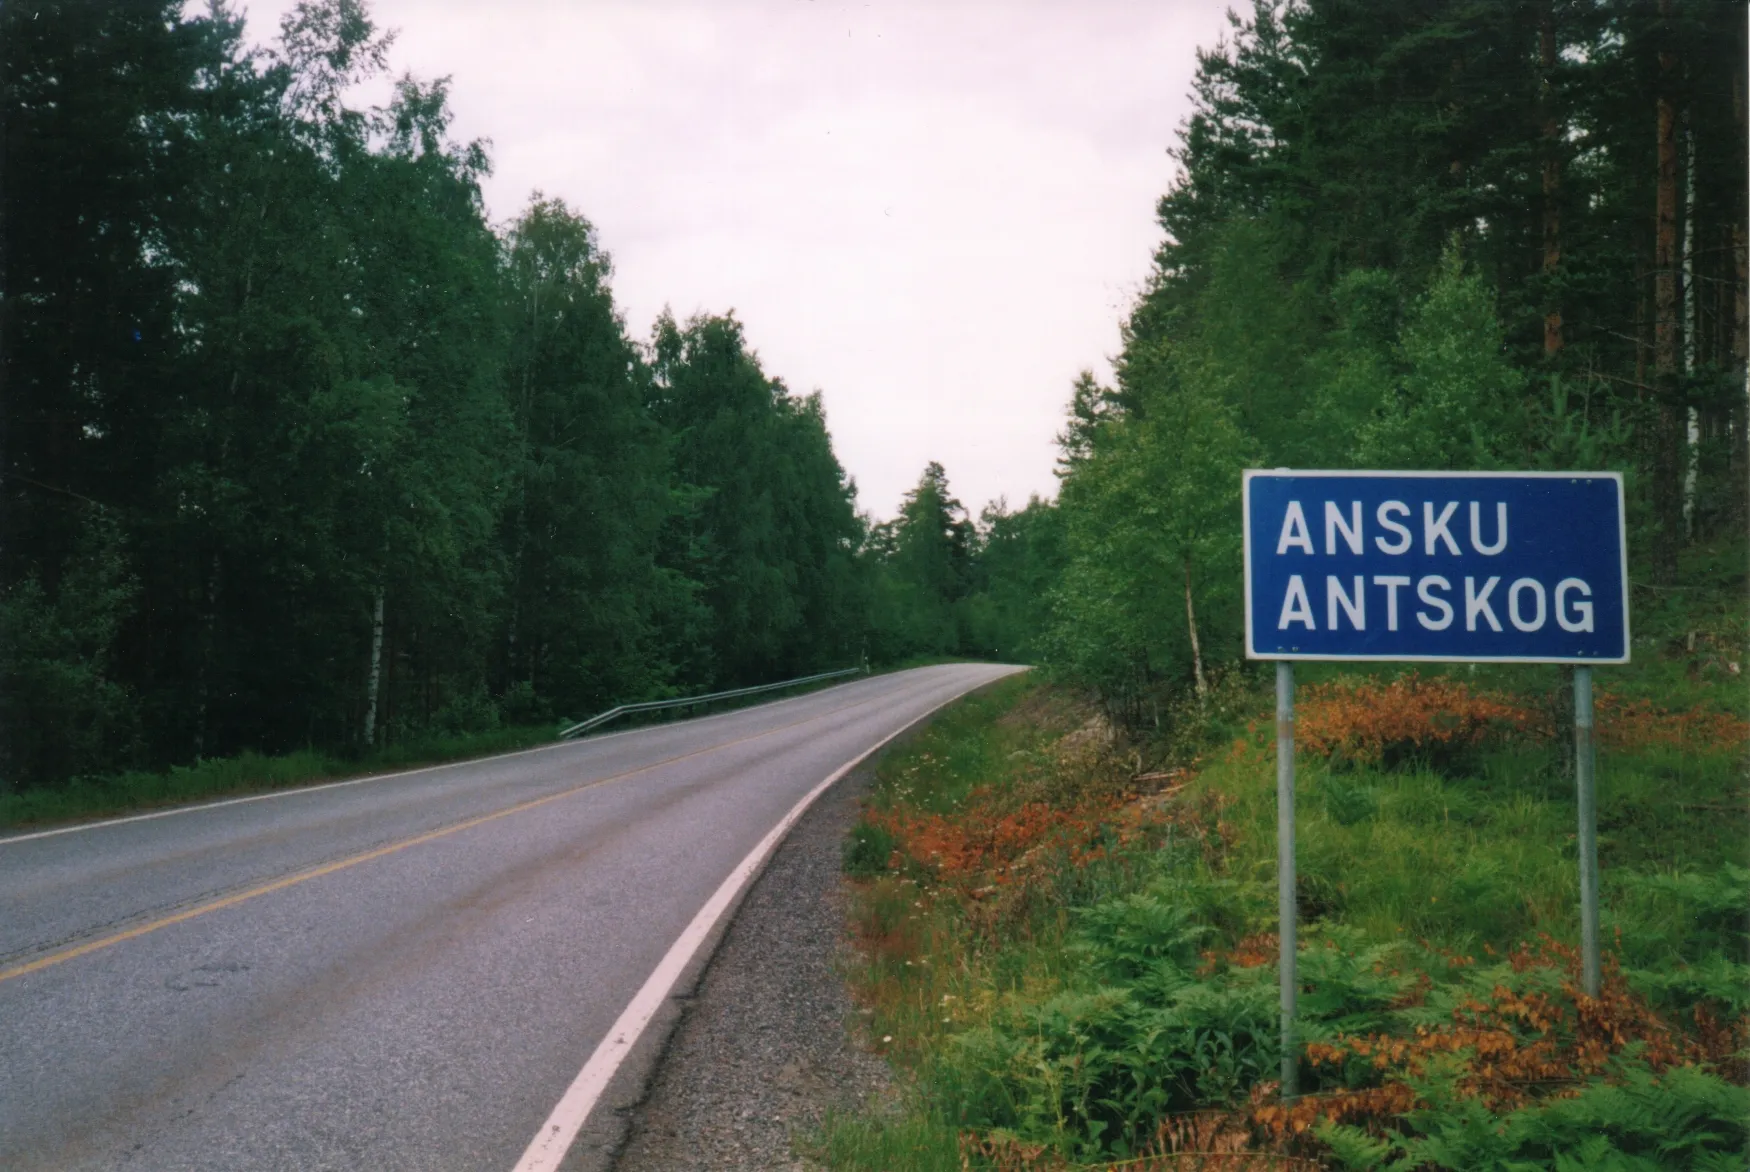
(1686, 1119)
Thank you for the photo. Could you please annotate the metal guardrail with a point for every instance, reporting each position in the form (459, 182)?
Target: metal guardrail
(584, 726)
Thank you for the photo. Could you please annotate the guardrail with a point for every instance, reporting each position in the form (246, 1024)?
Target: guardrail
(584, 726)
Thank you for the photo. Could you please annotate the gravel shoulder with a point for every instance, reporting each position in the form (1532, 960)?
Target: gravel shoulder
(766, 1045)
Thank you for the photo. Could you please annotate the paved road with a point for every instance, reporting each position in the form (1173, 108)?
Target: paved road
(403, 972)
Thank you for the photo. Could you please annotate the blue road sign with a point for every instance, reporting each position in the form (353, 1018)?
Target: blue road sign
(1521, 567)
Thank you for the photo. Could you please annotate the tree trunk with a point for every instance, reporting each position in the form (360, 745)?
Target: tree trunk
(1642, 349)
(514, 671)
(376, 676)
(1552, 183)
(208, 648)
(1196, 646)
(1738, 419)
(1667, 467)
(1692, 423)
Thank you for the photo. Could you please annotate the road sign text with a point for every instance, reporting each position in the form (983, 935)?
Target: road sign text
(1444, 566)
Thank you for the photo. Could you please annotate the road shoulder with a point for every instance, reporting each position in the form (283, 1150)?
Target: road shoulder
(764, 1047)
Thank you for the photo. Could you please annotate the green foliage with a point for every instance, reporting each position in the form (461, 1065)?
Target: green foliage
(249, 773)
(770, 527)
(938, 768)
(1093, 1071)
(917, 1143)
(1403, 239)
(1128, 990)
(867, 850)
(1685, 1119)
(591, 606)
(63, 712)
(1714, 904)
(374, 464)
(1457, 403)
(1019, 558)
(1151, 551)
(923, 566)
(1143, 1032)
(1688, 935)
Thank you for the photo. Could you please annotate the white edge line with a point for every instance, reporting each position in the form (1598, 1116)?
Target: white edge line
(553, 1141)
(293, 791)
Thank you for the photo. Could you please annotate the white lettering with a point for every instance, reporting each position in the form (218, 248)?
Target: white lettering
(1513, 593)
(1357, 606)
(1294, 531)
(1476, 529)
(1351, 529)
(1478, 604)
(1581, 609)
(1435, 528)
(1296, 607)
(1422, 591)
(1403, 531)
(1391, 582)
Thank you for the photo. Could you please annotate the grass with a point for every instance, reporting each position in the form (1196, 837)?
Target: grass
(1484, 859)
(251, 773)
(916, 1143)
(247, 773)
(1066, 946)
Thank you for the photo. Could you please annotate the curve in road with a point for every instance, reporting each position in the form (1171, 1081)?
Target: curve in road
(401, 973)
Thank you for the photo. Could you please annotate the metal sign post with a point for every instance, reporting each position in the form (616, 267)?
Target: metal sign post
(1287, 912)
(1584, 761)
(1440, 567)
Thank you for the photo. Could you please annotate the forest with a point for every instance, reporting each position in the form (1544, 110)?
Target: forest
(1480, 236)
(1498, 236)
(300, 450)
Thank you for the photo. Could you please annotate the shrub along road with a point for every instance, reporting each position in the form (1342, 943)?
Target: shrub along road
(401, 972)
(1067, 946)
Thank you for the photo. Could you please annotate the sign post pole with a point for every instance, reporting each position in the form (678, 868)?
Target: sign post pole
(1286, 910)
(1433, 567)
(1584, 762)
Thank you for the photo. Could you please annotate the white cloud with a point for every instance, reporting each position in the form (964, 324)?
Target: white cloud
(935, 212)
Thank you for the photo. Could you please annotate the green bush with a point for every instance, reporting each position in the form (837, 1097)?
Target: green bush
(1639, 1122)
(867, 850)
(1093, 1071)
(1124, 985)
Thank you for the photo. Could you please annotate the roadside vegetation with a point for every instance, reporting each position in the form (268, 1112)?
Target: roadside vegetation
(251, 773)
(1065, 935)
(309, 466)
(247, 773)
(1442, 238)
(344, 468)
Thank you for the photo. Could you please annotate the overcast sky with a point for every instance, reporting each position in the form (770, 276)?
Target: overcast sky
(935, 212)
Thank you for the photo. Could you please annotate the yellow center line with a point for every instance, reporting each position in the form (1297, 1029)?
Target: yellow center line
(268, 888)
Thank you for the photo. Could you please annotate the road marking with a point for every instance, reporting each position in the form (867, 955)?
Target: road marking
(280, 884)
(299, 790)
(289, 792)
(550, 1144)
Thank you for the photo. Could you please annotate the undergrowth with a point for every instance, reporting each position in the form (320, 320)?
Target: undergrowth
(247, 773)
(1065, 939)
(251, 772)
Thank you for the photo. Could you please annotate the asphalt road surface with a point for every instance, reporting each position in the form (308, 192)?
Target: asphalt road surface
(403, 972)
